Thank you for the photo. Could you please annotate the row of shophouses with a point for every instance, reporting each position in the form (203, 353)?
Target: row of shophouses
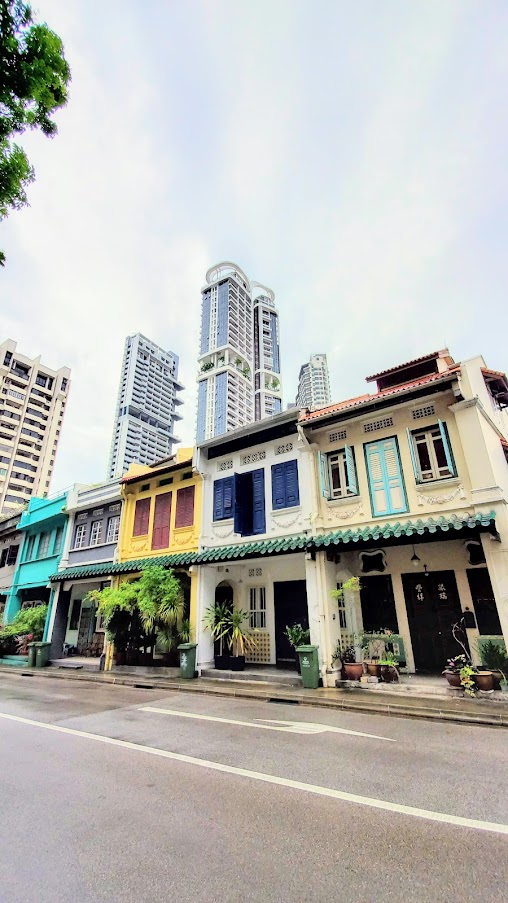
(405, 487)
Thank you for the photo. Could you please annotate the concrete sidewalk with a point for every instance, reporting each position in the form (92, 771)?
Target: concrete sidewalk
(469, 711)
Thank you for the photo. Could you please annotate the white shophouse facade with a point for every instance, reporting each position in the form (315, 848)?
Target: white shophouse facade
(257, 506)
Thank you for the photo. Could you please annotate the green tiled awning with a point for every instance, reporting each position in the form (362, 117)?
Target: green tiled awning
(430, 525)
(181, 559)
(285, 545)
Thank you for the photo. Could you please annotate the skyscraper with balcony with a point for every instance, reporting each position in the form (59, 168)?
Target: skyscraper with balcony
(239, 361)
(314, 383)
(32, 404)
(146, 406)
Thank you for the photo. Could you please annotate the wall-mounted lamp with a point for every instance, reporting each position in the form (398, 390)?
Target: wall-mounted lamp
(415, 561)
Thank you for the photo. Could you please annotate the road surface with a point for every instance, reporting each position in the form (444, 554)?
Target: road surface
(118, 794)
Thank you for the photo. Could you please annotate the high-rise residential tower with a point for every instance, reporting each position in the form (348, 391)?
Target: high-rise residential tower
(146, 407)
(239, 360)
(32, 405)
(314, 383)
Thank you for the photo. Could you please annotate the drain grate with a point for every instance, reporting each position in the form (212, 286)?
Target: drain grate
(284, 701)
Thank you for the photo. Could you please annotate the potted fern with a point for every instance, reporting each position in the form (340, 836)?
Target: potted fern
(216, 620)
(239, 639)
(297, 636)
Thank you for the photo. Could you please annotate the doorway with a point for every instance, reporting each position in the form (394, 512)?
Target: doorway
(433, 607)
(290, 603)
(378, 603)
(485, 608)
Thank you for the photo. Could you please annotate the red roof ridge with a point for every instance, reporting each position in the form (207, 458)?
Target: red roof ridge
(443, 352)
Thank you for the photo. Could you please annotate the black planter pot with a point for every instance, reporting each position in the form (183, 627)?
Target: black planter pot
(237, 662)
(222, 662)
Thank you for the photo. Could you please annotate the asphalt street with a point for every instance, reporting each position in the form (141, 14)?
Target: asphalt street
(118, 794)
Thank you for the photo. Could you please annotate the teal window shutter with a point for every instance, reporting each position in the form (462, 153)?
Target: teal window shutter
(324, 477)
(351, 470)
(377, 483)
(385, 478)
(446, 445)
(412, 449)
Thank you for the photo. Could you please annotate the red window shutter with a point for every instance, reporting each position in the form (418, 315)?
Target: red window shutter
(185, 507)
(141, 517)
(161, 518)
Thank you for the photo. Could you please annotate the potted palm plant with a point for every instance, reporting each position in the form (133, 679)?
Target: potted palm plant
(217, 620)
(239, 639)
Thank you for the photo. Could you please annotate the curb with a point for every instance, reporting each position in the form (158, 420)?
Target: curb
(277, 694)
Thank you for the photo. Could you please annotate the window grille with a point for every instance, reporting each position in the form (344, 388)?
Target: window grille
(374, 425)
(426, 411)
(337, 436)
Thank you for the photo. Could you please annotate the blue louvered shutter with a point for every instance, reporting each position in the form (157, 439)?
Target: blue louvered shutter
(446, 445)
(258, 501)
(218, 500)
(324, 476)
(351, 470)
(229, 497)
(414, 459)
(291, 481)
(278, 487)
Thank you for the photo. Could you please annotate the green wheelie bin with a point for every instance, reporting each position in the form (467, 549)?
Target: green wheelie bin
(31, 654)
(309, 666)
(42, 654)
(187, 660)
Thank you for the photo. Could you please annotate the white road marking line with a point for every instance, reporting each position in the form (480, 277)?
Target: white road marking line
(288, 727)
(273, 779)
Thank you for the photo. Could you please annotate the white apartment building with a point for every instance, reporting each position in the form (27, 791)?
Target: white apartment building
(239, 360)
(146, 406)
(32, 405)
(314, 383)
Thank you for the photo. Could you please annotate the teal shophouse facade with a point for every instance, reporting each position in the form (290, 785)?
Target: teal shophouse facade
(43, 524)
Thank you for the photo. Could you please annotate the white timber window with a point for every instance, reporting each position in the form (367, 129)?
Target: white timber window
(257, 607)
(431, 454)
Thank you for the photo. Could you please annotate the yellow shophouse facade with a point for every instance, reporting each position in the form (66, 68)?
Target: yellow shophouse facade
(161, 520)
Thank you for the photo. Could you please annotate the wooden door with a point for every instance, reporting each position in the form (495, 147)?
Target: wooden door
(290, 601)
(433, 608)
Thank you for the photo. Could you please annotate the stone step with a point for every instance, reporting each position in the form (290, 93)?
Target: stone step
(279, 680)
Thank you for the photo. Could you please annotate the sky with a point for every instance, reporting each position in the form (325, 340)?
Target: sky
(350, 154)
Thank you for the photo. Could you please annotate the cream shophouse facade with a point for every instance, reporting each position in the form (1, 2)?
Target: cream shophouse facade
(410, 485)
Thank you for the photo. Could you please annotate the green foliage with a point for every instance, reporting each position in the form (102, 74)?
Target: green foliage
(297, 635)
(34, 75)
(216, 620)
(185, 631)
(493, 655)
(346, 654)
(352, 584)
(159, 599)
(239, 639)
(28, 622)
(388, 659)
(466, 680)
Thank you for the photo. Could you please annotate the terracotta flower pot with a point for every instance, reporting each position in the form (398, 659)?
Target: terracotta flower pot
(354, 670)
(453, 678)
(484, 680)
(373, 669)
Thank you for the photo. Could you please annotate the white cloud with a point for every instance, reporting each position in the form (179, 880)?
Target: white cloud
(351, 161)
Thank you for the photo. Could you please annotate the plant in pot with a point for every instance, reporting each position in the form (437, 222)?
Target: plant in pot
(352, 669)
(453, 668)
(297, 636)
(389, 670)
(239, 639)
(494, 658)
(217, 620)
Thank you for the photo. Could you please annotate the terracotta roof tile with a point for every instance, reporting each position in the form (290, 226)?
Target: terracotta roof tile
(377, 396)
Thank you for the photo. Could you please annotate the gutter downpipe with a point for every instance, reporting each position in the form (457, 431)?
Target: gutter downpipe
(321, 577)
